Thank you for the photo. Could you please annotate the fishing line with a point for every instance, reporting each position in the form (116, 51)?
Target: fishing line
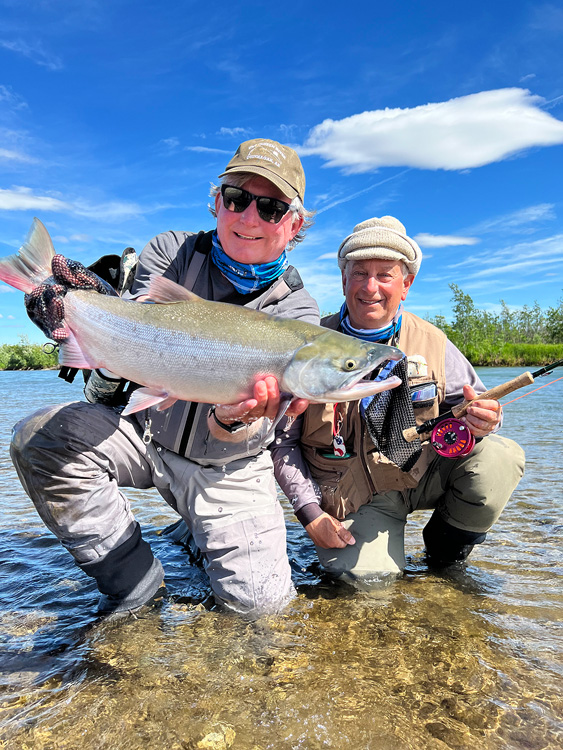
(535, 389)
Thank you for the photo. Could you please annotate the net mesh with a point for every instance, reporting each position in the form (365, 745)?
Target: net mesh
(387, 415)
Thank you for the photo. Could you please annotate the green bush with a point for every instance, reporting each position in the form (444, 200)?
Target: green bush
(26, 356)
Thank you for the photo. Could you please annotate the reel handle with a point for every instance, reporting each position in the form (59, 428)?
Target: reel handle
(526, 378)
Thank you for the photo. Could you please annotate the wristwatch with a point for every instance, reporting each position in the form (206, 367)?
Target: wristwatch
(227, 427)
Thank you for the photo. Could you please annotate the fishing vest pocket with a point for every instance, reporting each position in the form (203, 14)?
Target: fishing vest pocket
(343, 491)
(423, 394)
(424, 398)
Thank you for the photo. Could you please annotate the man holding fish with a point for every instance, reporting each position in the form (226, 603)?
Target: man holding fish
(347, 468)
(209, 462)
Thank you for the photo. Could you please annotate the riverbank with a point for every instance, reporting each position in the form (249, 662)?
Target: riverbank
(514, 355)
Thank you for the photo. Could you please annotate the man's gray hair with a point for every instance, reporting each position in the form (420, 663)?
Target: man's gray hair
(239, 179)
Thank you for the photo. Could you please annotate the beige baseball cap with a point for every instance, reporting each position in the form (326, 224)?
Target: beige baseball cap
(270, 159)
(385, 238)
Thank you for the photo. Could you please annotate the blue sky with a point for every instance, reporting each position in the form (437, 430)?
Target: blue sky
(116, 116)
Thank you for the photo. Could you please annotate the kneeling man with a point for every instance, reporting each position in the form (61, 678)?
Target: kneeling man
(347, 469)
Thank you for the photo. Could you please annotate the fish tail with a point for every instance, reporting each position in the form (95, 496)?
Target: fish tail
(32, 263)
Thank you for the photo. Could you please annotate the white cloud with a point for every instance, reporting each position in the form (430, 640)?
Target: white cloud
(520, 256)
(206, 150)
(36, 53)
(351, 196)
(462, 133)
(12, 100)
(19, 156)
(235, 131)
(171, 143)
(110, 211)
(443, 240)
(517, 219)
(23, 199)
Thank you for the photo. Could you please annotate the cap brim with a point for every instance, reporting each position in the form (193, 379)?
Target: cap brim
(275, 179)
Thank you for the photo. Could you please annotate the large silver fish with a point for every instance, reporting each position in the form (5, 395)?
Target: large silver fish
(187, 348)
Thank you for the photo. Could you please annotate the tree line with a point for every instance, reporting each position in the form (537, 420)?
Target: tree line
(523, 336)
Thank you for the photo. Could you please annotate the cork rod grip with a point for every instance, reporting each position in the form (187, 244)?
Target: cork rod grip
(495, 393)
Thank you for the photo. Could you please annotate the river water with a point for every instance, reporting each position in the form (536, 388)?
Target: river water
(468, 659)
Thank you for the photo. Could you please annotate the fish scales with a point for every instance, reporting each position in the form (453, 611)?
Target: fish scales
(178, 338)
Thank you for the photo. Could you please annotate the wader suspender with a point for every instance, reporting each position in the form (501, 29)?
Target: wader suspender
(202, 248)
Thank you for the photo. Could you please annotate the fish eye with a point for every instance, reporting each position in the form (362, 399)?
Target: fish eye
(350, 364)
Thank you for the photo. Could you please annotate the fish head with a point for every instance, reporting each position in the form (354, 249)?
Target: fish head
(330, 368)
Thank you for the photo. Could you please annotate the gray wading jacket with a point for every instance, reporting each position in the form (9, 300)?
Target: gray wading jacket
(185, 258)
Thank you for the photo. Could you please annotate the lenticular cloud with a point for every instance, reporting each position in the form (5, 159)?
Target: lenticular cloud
(462, 133)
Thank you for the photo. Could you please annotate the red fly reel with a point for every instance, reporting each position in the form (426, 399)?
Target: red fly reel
(452, 439)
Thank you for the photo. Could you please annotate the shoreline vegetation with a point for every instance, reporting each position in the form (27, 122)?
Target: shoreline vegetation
(528, 336)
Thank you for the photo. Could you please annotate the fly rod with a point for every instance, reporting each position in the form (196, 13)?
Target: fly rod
(428, 429)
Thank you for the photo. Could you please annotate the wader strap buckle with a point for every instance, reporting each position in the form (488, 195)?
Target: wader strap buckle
(147, 434)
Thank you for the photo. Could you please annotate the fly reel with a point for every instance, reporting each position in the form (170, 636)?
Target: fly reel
(452, 439)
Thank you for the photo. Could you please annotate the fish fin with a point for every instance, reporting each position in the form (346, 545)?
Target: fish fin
(285, 400)
(144, 398)
(71, 355)
(166, 291)
(166, 403)
(32, 263)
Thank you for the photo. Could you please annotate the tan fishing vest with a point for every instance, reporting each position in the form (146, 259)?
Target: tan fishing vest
(347, 483)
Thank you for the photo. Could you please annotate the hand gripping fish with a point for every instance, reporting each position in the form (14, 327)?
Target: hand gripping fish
(186, 348)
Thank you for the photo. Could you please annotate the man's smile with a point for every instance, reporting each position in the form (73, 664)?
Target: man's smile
(246, 237)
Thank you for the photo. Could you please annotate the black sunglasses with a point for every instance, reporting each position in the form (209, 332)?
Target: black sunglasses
(236, 199)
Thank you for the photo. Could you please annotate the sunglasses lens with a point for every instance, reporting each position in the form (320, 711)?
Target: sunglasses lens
(269, 209)
(235, 199)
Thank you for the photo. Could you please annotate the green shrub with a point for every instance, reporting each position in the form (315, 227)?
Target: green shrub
(26, 356)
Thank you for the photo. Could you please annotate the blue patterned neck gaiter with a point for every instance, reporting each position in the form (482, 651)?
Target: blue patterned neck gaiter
(247, 277)
(367, 334)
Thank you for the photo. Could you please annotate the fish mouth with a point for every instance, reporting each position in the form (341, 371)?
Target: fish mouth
(359, 389)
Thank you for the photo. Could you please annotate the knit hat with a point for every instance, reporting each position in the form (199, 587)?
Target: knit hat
(270, 159)
(384, 239)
